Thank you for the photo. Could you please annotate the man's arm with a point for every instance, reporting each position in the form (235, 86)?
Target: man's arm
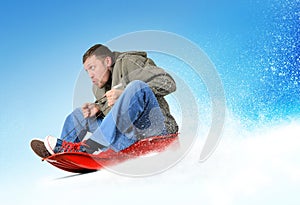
(158, 80)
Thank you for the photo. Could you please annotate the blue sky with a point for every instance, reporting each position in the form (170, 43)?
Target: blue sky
(42, 43)
(47, 38)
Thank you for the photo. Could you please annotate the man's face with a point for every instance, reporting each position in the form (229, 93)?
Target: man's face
(98, 70)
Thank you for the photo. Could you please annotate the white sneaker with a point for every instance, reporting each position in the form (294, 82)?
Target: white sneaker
(50, 143)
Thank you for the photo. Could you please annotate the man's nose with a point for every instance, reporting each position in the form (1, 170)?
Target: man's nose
(91, 74)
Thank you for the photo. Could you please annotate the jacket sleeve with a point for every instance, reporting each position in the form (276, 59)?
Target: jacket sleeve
(144, 69)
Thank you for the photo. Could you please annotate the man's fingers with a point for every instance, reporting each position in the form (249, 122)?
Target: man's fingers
(112, 94)
(91, 106)
(86, 112)
(85, 106)
(108, 94)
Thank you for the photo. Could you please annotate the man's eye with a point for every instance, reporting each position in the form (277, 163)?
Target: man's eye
(92, 68)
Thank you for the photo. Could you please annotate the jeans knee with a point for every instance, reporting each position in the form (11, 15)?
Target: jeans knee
(137, 85)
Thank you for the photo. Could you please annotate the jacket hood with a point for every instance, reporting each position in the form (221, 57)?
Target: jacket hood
(121, 54)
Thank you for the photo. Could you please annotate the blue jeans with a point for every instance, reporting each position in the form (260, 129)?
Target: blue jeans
(135, 115)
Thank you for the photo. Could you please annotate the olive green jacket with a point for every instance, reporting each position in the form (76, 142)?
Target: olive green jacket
(129, 66)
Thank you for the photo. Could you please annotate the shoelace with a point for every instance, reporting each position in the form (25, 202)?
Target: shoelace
(72, 146)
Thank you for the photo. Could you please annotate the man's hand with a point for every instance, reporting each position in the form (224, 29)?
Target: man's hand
(112, 96)
(90, 110)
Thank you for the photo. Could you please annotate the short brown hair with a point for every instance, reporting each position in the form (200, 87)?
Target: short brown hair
(99, 50)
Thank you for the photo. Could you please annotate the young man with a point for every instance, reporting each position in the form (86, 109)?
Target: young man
(130, 105)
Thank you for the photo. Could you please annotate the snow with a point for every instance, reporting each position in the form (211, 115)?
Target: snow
(248, 167)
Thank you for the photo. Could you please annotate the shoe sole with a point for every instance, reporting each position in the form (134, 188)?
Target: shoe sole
(39, 148)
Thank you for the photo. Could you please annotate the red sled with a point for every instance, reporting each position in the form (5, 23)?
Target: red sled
(79, 162)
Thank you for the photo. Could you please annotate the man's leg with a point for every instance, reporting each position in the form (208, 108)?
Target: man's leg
(135, 115)
(76, 126)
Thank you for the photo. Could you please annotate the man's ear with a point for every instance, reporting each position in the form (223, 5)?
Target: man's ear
(108, 62)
